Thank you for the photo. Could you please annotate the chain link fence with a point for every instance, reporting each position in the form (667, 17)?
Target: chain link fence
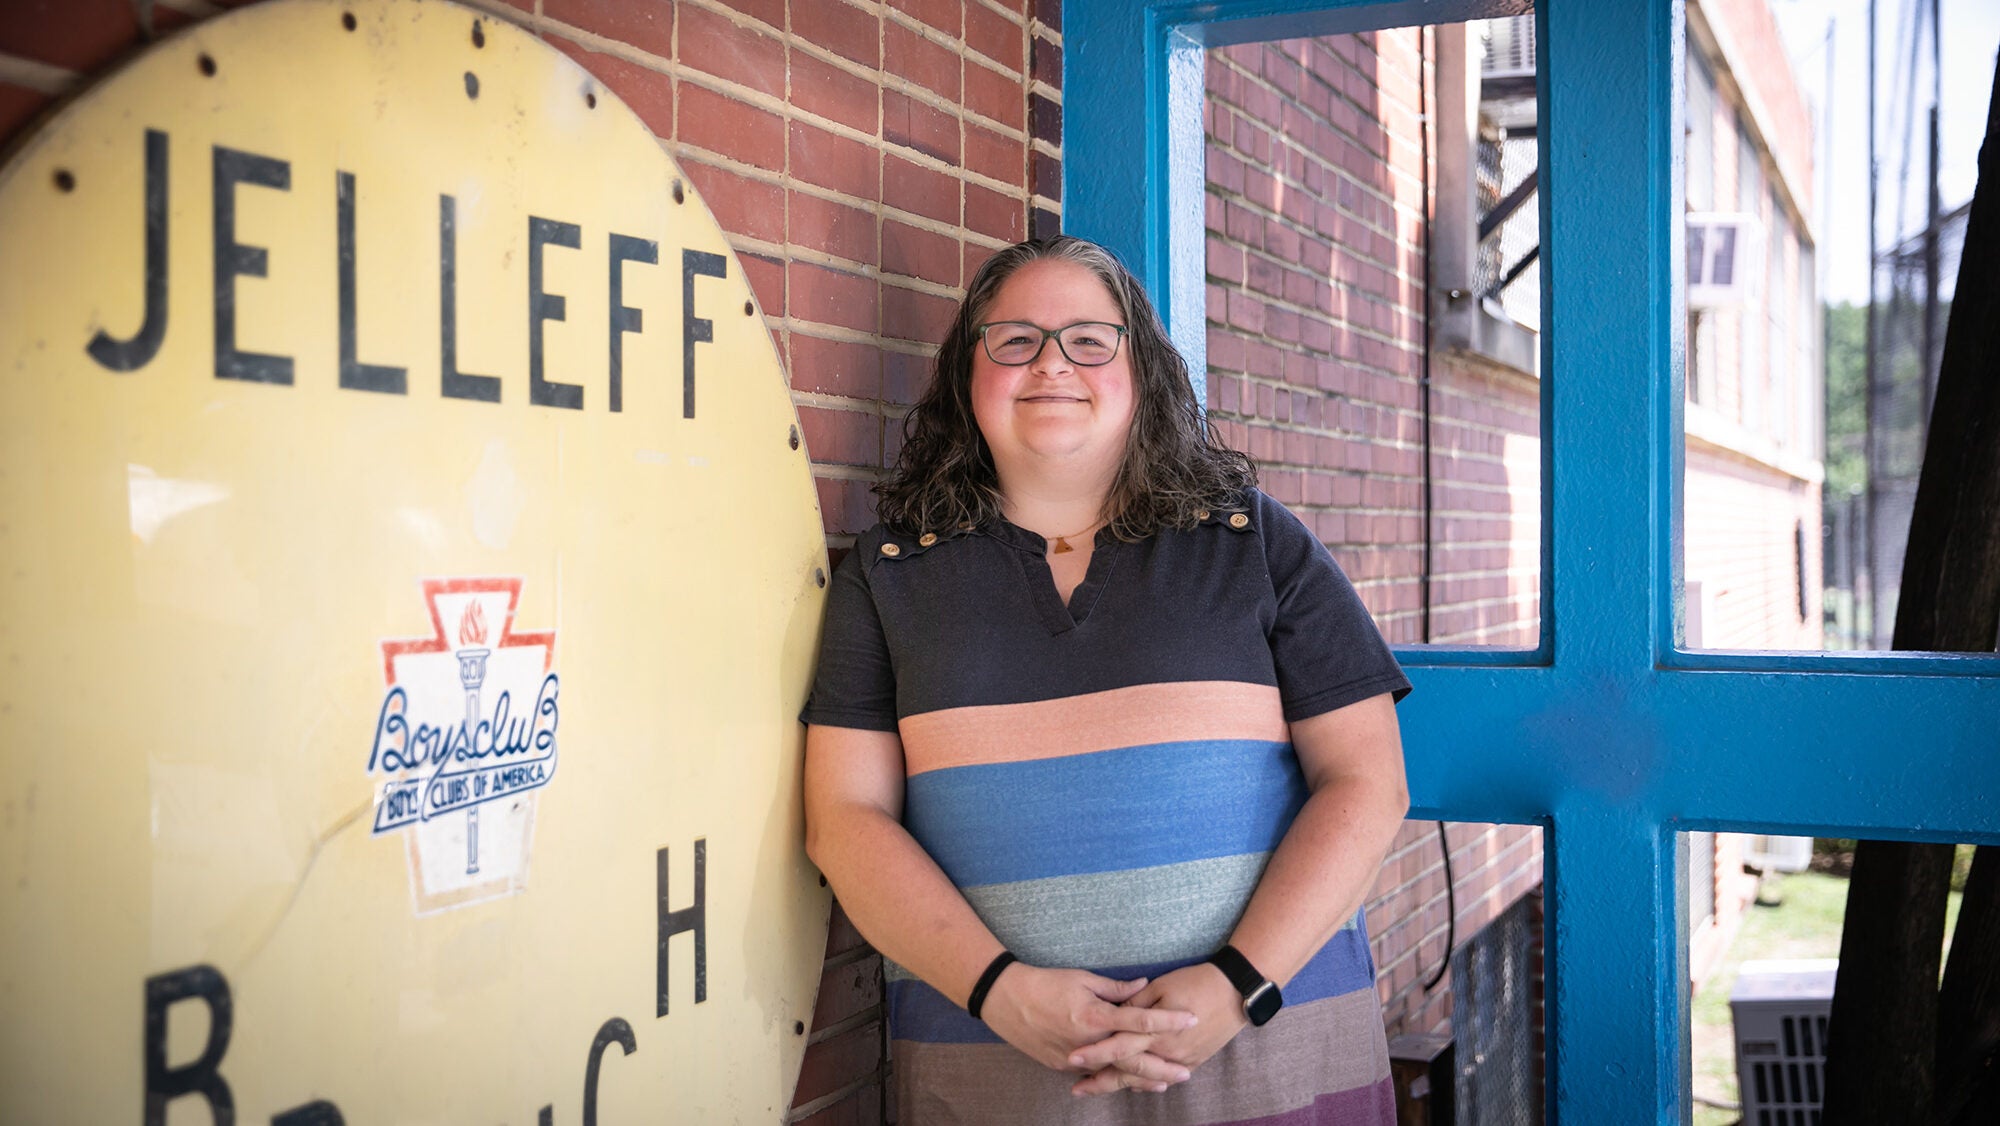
(1496, 1018)
(1914, 281)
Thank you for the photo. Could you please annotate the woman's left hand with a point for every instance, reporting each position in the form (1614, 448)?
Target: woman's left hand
(1201, 989)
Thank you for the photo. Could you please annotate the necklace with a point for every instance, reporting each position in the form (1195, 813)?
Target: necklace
(1062, 542)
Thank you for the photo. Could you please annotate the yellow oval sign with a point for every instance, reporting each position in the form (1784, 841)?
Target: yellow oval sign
(410, 573)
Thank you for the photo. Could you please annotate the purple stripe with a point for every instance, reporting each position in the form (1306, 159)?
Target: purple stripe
(1373, 1105)
(918, 1012)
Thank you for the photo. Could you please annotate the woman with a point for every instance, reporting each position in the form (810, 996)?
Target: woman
(1103, 752)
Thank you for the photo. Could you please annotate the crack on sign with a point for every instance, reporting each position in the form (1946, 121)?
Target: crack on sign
(346, 821)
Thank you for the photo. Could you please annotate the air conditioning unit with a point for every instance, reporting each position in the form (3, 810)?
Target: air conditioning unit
(1779, 1009)
(1777, 854)
(1510, 47)
(1724, 249)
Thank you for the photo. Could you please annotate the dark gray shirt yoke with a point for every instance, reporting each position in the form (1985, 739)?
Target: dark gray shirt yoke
(973, 618)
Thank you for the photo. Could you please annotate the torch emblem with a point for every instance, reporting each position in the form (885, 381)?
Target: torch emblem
(472, 673)
(464, 740)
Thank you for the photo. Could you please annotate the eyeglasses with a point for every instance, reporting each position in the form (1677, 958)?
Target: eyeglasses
(1086, 344)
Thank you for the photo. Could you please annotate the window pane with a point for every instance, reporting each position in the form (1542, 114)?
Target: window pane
(1402, 423)
(1765, 917)
(1751, 511)
(1810, 374)
(1460, 972)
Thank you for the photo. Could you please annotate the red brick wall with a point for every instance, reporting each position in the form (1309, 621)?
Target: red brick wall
(1316, 221)
(862, 156)
(1316, 307)
(1492, 867)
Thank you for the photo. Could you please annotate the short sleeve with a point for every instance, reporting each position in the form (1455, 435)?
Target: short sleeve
(855, 685)
(1325, 647)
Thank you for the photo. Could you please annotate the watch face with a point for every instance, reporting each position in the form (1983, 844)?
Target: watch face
(1263, 1004)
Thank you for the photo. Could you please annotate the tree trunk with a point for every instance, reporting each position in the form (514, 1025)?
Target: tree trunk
(1896, 1051)
(1882, 1037)
(1968, 1056)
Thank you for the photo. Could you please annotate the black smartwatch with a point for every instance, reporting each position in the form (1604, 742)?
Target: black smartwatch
(1261, 999)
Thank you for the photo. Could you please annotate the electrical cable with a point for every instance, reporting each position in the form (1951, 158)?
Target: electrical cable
(1450, 913)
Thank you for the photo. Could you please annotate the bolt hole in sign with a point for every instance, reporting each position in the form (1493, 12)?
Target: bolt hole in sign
(407, 591)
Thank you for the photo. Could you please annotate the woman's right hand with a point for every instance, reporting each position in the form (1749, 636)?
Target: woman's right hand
(1048, 1014)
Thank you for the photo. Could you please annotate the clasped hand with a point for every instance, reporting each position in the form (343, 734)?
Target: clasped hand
(1125, 1035)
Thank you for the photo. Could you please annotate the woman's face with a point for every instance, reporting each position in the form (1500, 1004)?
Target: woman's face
(1050, 413)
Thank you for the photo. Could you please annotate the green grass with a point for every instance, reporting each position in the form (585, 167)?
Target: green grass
(1804, 923)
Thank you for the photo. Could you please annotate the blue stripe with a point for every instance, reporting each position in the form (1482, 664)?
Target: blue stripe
(918, 1012)
(1106, 811)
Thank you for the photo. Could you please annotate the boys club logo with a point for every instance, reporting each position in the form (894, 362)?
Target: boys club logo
(465, 736)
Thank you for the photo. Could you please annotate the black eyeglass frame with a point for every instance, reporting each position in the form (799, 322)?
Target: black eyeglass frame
(1049, 334)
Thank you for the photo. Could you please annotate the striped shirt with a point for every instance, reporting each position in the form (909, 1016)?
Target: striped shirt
(1104, 782)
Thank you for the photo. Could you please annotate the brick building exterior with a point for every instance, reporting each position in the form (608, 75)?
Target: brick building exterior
(1317, 311)
(1755, 394)
(864, 156)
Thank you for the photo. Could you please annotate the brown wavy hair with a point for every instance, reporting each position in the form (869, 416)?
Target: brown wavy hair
(1175, 464)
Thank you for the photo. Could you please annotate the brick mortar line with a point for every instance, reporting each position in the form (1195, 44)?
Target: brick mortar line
(841, 334)
(1426, 899)
(1339, 285)
(1229, 195)
(1040, 30)
(785, 111)
(1302, 350)
(865, 1017)
(1228, 148)
(1052, 93)
(199, 9)
(840, 1094)
(593, 42)
(1394, 269)
(1019, 19)
(792, 252)
(960, 46)
(897, 83)
(850, 956)
(847, 404)
(1314, 389)
(1370, 439)
(1210, 187)
(834, 471)
(1360, 111)
(736, 167)
(507, 13)
(681, 71)
(41, 77)
(724, 88)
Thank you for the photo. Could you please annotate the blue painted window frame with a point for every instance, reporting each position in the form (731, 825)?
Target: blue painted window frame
(1608, 733)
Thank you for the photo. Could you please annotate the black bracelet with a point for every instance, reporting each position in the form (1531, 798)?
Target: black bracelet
(978, 999)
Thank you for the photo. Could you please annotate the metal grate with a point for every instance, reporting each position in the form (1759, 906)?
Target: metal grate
(1780, 1013)
(1510, 46)
(1495, 977)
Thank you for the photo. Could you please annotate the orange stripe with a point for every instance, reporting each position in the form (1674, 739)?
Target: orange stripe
(1097, 721)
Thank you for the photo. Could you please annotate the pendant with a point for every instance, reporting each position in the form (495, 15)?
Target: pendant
(1062, 545)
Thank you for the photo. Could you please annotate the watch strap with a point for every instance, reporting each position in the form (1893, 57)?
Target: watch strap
(1238, 970)
(1261, 996)
(977, 1000)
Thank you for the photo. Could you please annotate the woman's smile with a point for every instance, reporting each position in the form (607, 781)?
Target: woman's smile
(1050, 411)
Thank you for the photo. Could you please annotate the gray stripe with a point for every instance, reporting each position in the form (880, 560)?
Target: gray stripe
(1174, 912)
(1321, 1047)
(1135, 917)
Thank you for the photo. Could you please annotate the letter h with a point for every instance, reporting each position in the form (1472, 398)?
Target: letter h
(693, 917)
